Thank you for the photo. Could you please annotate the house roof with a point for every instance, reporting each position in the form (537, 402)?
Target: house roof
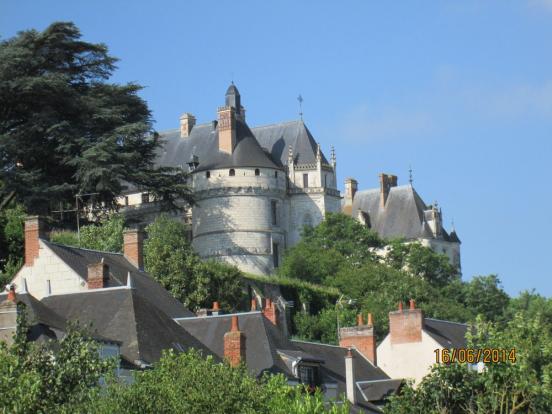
(447, 334)
(124, 315)
(119, 268)
(267, 349)
(264, 147)
(403, 215)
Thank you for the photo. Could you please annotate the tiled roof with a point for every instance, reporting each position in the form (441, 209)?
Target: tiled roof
(447, 334)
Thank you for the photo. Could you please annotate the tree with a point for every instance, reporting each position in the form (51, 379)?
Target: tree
(11, 241)
(190, 383)
(42, 378)
(520, 385)
(170, 259)
(65, 130)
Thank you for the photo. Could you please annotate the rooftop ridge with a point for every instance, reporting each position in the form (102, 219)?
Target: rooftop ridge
(217, 316)
(442, 320)
(277, 123)
(109, 289)
(81, 248)
(316, 343)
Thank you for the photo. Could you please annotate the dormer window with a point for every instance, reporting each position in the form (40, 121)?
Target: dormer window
(257, 172)
(308, 375)
(232, 172)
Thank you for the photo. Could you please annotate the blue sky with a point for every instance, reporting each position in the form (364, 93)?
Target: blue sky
(461, 91)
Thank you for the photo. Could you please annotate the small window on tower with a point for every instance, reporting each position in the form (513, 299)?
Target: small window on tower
(275, 174)
(305, 180)
(208, 174)
(232, 172)
(257, 172)
(275, 255)
(274, 212)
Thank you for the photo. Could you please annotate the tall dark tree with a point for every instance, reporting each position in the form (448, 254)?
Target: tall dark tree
(64, 129)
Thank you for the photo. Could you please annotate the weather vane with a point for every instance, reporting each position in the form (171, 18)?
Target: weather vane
(300, 99)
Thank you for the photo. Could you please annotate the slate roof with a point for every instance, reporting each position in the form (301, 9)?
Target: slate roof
(447, 334)
(267, 349)
(403, 215)
(124, 315)
(119, 267)
(263, 147)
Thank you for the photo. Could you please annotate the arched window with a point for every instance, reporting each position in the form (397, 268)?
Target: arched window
(257, 171)
(232, 172)
(208, 174)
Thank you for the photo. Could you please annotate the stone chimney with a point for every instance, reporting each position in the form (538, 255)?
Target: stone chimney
(35, 229)
(405, 326)
(270, 312)
(386, 183)
(361, 337)
(98, 275)
(216, 309)
(8, 317)
(227, 128)
(133, 247)
(187, 122)
(350, 376)
(351, 186)
(234, 344)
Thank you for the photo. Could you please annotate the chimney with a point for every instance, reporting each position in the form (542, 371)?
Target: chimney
(351, 186)
(8, 317)
(98, 275)
(234, 344)
(216, 308)
(270, 312)
(405, 326)
(35, 229)
(387, 181)
(227, 129)
(187, 122)
(350, 377)
(133, 247)
(360, 337)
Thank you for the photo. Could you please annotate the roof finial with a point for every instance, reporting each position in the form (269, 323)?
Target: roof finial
(410, 179)
(332, 154)
(318, 152)
(300, 99)
(290, 152)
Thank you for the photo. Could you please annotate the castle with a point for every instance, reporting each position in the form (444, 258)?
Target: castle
(256, 189)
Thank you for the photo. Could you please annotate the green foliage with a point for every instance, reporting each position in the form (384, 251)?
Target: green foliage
(66, 237)
(420, 261)
(189, 383)
(523, 386)
(484, 296)
(65, 130)
(169, 258)
(11, 241)
(41, 379)
(322, 327)
(107, 236)
(531, 305)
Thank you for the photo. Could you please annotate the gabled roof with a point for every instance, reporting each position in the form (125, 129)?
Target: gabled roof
(264, 147)
(403, 215)
(119, 268)
(124, 315)
(447, 334)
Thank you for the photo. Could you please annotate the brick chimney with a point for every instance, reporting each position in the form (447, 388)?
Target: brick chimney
(351, 186)
(98, 275)
(405, 325)
(216, 308)
(35, 229)
(350, 376)
(387, 181)
(234, 344)
(227, 128)
(133, 247)
(270, 312)
(187, 122)
(361, 337)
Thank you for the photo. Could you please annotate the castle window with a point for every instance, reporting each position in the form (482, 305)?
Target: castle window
(305, 180)
(274, 212)
(275, 256)
(257, 172)
(145, 198)
(325, 180)
(208, 174)
(232, 172)
(275, 174)
(126, 200)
